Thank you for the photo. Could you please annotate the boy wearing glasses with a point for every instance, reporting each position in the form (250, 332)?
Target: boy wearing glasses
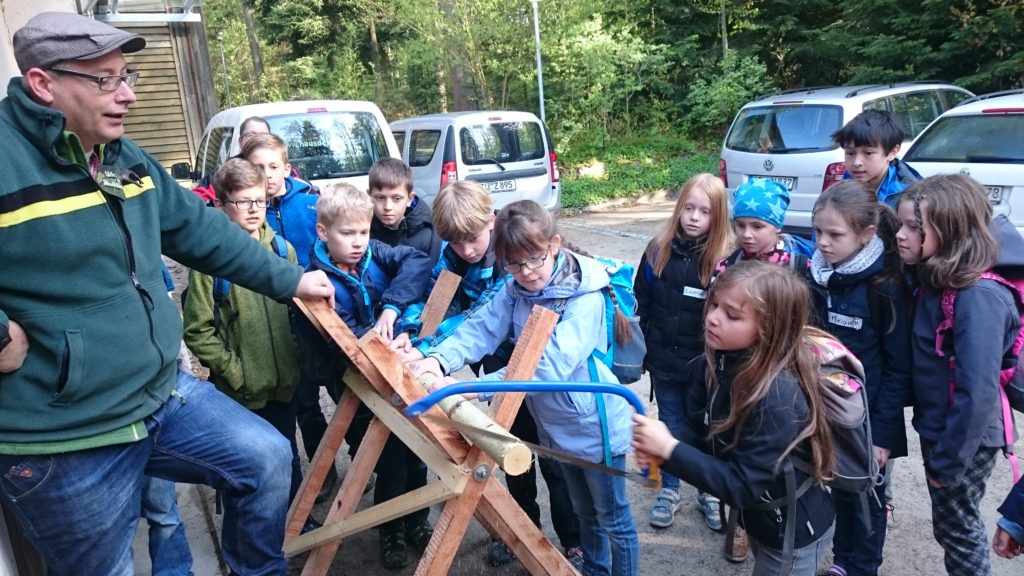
(243, 337)
(374, 284)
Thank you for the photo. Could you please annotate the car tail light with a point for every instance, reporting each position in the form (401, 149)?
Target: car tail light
(449, 173)
(723, 174)
(833, 174)
(553, 158)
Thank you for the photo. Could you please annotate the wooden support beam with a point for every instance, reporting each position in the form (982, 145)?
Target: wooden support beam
(506, 519)
(437, 304)
(418, 499)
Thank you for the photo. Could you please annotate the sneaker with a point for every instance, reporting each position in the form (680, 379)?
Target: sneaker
(394, 552)
(419, 535)
(331, 483)
(499, 554)
(835, 570)
(664, 510)
(712, 510)
(575, 556)
(736, 546)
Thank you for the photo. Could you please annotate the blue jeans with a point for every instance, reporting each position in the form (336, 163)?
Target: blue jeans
(168, 547)
(607, 532)
(80, 509)
(806, 559)
(671, 396)
(854, 550)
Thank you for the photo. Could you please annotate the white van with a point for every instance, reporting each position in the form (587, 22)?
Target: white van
(509, 153)
(328, 140)
(788, 136)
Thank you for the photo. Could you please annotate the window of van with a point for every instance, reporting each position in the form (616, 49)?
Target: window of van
(331, 144)
(975, 138)
(400, 140)
(785, 129)
(422, 144)
(502, 142)
(217, 145)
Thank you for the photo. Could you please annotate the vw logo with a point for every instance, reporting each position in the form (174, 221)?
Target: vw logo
(965, 171)
(769, 165)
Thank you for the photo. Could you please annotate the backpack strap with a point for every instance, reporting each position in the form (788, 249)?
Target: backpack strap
(602, 413)
(280, 246)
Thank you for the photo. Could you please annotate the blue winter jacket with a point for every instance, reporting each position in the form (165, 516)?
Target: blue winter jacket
(293, 216)
(899, 176)
(566, 421)
(873, 321)
(986, 323)
(386, 277)
(480, 282)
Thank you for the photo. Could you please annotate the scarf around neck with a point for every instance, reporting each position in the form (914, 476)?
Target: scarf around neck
(821, 270)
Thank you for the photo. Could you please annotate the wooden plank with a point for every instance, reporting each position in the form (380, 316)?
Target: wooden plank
(321, 464)
(433, 493)
(507, 520)
(320, 559)
(437, 304)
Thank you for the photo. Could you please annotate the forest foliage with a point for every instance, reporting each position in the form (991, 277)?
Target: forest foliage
(612, 70)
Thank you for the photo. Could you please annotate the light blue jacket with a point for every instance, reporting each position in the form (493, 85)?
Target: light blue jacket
(566, 421)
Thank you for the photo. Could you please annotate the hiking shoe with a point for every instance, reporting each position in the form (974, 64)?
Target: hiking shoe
(331, 483)
(736, 546)
(575, 556)
(419, 535)
(664, 510)
(499, 554)
(394, 552)
(310, 525)
(712, 510)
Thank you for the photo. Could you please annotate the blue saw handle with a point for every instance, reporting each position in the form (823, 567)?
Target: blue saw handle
(425, 403)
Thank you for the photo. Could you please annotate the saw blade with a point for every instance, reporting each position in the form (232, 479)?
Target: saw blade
(543, 451)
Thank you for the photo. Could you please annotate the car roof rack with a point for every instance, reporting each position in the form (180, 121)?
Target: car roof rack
(795, 90)
(992, 95)
(863, 89)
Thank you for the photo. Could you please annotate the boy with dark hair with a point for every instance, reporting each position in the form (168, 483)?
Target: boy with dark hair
(871, 142)
(399, 216)
(244, 338)
(375, 283)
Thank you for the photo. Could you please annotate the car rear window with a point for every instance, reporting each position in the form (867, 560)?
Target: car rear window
(785, 129)
(502, 142)
(331, 144)
(993, 138)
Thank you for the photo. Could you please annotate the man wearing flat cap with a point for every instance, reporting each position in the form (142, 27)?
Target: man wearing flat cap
(91, 399)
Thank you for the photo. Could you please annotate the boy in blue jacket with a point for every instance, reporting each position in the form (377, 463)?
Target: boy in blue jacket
(374, 283)
(871, 142)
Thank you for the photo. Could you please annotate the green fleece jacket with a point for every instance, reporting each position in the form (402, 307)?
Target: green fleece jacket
(252, 356)
(80, 272)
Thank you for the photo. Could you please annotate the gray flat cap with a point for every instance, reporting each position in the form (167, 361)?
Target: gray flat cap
(52, 37)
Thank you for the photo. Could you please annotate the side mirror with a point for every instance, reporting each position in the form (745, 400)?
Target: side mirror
(181, 171)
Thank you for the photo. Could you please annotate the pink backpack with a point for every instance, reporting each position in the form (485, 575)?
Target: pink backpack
(1011, 380)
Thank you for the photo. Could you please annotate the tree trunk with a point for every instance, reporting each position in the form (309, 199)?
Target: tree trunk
(725, 31)
(254, 45)
(378, 85)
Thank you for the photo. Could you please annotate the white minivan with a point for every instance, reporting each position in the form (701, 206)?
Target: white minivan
(788, 136)
(509, 153)
(328, 140)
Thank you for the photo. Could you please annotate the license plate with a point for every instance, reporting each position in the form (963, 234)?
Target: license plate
(995, 194)
(500, 186)
(787, 181)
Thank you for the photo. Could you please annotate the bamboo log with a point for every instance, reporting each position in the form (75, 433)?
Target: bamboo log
(512, 455)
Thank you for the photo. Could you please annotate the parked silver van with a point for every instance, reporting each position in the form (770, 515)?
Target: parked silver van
(328, 140)
(509, 153)
(787, 137)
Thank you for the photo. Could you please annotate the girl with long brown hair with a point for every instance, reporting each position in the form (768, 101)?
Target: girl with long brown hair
(764, 406)
(671, 287)
(949, 240)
